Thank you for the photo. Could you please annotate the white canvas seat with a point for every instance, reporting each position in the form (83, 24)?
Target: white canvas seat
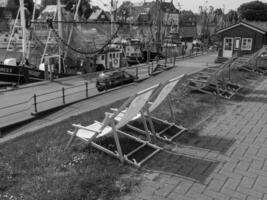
(90, 134)
(95, 127)
(160, 95)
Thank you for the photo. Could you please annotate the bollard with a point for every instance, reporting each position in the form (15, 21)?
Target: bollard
(63, 95)
(86, 89)
(35, 103)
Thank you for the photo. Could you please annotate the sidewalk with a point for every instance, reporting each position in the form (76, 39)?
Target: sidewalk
(230, 165)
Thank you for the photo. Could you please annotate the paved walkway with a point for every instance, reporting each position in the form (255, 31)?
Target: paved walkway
(228, 161)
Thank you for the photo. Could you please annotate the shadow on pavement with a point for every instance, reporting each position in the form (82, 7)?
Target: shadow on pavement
(259, 99)
(262, 92)
(213, 143)
(181, 165)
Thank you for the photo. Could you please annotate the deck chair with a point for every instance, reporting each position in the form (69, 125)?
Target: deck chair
(140, 151)
(212, 87)
(157, 127)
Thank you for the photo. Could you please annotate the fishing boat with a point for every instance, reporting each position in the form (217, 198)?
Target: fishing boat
(18, 68)
(133, 51)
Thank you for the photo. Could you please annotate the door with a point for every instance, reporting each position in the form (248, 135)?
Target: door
(228, 47)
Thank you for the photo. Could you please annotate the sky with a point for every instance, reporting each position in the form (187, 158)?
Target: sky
(185, 4)
(190, 4)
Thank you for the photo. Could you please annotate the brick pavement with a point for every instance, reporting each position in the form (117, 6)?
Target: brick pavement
(231, 164)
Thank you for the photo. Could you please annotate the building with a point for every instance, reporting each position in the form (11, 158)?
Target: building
(169, 15)
(3, 3)
(242, 38)
(99, 16)
(188, 26)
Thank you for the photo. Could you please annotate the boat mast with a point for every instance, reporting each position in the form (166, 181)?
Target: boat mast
(112, 17)
(159, 23)
(23, 26)
(72, 27)
(60, 33)
(31, 29)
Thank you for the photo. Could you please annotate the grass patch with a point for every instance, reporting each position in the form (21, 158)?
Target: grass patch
(36, 167)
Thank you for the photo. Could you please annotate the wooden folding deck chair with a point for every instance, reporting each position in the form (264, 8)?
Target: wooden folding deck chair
(140, 151)
(211, 87)
(157, 127)
(208, 82)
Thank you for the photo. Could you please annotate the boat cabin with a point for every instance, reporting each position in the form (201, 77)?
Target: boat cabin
(133, 48)
(133, 51)
(242, 38)
(108, 59)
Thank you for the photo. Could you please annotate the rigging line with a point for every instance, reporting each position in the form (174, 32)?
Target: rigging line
(49, 22)
(102, 22)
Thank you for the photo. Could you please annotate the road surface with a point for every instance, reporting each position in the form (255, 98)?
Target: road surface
(18, 105)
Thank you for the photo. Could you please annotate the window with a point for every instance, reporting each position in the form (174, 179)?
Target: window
(237, 43)
(110, 55)
(103, 57)
(246, 44)
(228, 44)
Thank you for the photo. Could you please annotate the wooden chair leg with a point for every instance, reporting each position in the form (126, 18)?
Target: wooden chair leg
(71, 139)
(151, 126)
(117, 141)
(146, 128)
(171, 109)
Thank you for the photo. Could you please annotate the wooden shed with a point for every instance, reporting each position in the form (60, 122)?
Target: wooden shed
(242, 38)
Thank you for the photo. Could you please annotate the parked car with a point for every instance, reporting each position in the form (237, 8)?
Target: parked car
(107, 80)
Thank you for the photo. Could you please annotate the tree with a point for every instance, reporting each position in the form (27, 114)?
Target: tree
(28, 4)
(232, 17)
(218, 11)
(253, 11)
(124, 10)
(85, 9)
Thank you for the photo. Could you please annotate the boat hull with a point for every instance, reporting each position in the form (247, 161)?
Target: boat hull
(22, 75)
(134, 60)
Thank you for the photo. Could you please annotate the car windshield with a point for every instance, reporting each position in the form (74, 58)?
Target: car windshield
(102, 77)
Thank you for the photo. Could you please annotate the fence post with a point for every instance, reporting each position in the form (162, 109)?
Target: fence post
(174, 59)
(86, 88)
(35, 103)
(63, 95)
(136, 72)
